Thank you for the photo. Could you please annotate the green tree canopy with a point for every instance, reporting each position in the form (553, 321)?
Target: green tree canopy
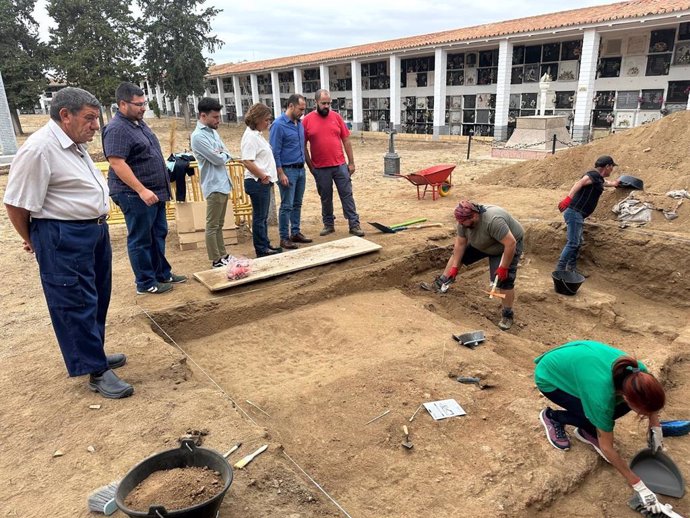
(176, 32)
(95, 45)
(22, 56)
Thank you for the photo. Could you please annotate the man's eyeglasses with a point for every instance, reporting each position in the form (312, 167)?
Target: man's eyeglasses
(140, 105)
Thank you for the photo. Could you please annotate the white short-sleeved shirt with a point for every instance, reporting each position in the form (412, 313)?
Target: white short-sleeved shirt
(255, 147)
(54, 178)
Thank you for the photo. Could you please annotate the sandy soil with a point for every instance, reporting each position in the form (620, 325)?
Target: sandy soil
(321, 352)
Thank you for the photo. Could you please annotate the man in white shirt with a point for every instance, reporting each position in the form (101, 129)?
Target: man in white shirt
(57, 200)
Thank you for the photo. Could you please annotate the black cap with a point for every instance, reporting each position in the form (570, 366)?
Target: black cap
(603, 161)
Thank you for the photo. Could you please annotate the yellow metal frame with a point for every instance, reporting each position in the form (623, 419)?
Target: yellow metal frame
(242, 205)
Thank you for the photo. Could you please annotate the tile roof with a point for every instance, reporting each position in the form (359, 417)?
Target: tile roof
(559, 20)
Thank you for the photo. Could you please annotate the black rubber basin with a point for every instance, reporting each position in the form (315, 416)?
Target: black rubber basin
(188, 454)
(567, 283)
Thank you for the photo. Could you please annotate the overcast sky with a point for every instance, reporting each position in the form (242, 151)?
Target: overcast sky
(265, 29)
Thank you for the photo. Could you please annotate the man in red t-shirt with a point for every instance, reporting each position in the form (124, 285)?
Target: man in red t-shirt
(327, 135)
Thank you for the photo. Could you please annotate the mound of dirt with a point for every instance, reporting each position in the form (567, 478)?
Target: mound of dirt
(656, 153)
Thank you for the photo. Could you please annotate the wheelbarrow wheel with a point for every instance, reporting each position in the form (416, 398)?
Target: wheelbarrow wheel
(444, 189)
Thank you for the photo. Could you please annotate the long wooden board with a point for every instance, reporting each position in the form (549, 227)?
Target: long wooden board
(292, 261)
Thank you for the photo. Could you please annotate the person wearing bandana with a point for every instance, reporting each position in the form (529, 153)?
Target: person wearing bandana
(487, 231)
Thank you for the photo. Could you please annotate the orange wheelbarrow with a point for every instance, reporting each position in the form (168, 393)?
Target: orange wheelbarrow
(437, 177)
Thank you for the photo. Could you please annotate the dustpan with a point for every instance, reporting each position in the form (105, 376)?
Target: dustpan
(658, 472)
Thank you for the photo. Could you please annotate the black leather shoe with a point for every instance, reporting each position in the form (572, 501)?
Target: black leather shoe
(276, 248)
(116, 360)
(268, 251)
(110, 386)
(300, 238)
(286, 243)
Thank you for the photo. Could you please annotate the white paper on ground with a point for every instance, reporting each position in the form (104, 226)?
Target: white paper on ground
(444, 409)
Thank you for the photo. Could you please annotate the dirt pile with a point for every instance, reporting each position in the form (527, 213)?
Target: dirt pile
(656, 153)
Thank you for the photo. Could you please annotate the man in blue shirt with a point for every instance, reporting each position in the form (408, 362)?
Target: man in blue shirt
(139, 184)
(287, 142)
(212, 155)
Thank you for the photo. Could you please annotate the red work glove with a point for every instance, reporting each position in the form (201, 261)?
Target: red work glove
(565, 203)
(453, 272)
(502, 273)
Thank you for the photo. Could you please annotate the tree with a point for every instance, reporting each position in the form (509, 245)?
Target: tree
(22, 57)
(176, 32)
(96, 43)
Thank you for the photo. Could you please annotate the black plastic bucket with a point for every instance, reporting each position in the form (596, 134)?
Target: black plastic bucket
(188, 454)
(631, 182)
(567, 283)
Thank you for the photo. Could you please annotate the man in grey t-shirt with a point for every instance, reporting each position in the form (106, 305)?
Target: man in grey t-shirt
(488, 231)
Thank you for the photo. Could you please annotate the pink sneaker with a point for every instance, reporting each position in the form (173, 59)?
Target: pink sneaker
(555, 432)
(593, 441)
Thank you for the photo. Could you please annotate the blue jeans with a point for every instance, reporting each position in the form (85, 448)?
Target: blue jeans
(147, 229)
(575, 224)
(260, 194)
(75, 263)
(291, 196)
(340, 175)
(574, 413)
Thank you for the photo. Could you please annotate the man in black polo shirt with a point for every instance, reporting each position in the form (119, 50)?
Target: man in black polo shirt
(579, 204)
(139, 184)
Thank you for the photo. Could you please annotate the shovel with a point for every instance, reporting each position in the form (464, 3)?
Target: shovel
(406, 443)
(392, 229)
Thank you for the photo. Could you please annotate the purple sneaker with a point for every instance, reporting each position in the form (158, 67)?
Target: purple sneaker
(593, 441)
(555, 432)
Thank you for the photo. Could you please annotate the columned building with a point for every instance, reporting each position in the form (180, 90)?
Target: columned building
(613, 66)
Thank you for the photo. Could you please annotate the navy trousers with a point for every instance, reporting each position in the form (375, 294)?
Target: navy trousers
(574, 413)
(75, 263)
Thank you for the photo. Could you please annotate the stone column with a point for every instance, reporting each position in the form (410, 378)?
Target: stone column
(325, 77)
(275, 92)
(8, 141)
(585, 85)
(221, 99)
(169, 107)
(505, 63)
(176, 105)
(395, 92)
(238, 98)
(159, 98)
(440, 126)
(357, 115)
(254, 81)
(297, 74)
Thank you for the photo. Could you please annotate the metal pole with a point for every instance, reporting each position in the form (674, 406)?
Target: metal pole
(469, 144)
(553, 145)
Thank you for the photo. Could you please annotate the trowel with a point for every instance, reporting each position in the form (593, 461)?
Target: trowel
(474, 381)
(406, 443)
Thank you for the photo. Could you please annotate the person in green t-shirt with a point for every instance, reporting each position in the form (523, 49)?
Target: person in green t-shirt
(596, 384)
(487, 231)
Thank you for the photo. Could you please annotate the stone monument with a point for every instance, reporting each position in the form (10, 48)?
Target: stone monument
(533, 136)
(8, 141)
(391, 160)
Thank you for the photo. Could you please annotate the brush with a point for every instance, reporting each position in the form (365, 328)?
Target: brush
(246, 460)
(102, 500)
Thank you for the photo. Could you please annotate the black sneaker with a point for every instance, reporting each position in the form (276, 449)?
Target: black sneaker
(357, 231)
(326, 230)
(156, 289)
(176, 279)
(110, 386)
(218, 264)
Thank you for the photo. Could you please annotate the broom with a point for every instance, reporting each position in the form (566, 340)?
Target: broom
(102, 500)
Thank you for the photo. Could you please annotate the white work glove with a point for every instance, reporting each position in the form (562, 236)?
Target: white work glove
(647, 498)
(654, 439)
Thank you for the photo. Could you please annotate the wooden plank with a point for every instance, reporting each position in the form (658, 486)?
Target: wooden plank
(292, 261)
